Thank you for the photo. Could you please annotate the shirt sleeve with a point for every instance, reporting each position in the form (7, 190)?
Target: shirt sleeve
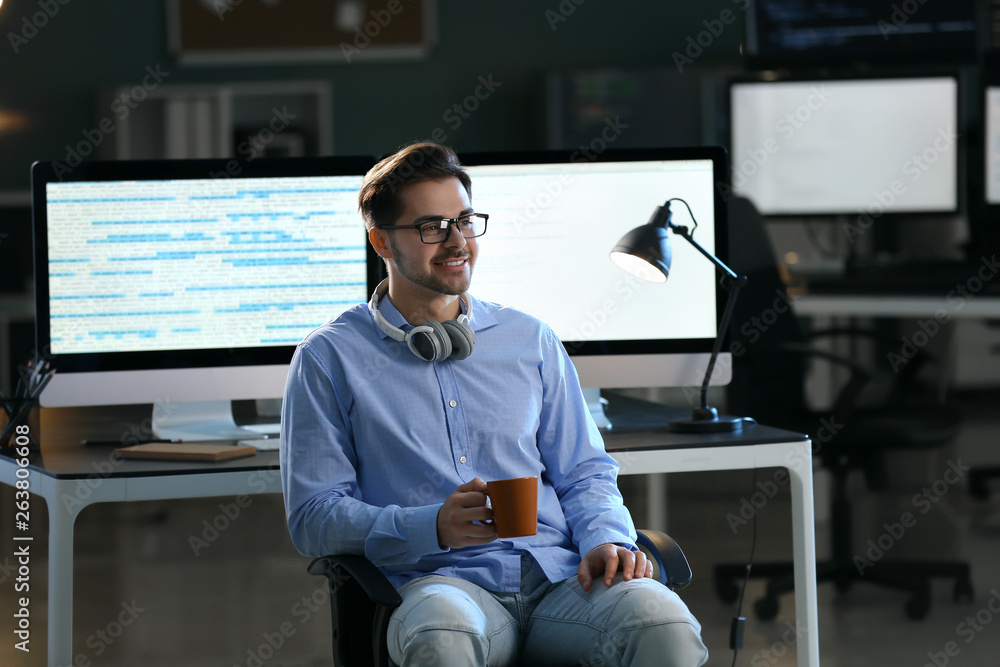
(583, 474)
(325, 510)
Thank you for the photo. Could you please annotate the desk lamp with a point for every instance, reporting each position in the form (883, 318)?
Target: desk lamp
(649, 246)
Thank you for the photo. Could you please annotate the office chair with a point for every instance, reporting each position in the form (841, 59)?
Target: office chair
(875, 412)
(979, 481)
(362, 599)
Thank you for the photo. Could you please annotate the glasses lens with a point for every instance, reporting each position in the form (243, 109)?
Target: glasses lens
(472, 226)
(469, 226)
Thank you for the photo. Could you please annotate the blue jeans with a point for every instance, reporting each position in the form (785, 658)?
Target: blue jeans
(448, 621)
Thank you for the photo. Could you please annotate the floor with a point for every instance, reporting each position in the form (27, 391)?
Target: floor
(216, 583)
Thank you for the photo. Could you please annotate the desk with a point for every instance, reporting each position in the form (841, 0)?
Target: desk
(70, 477)
(895, 305)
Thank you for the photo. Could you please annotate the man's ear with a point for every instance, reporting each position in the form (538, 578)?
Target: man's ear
(380, 241)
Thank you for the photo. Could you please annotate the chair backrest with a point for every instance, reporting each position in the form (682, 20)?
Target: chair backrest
(766, 386)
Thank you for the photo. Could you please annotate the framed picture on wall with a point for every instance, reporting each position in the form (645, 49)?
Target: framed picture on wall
(214, 32)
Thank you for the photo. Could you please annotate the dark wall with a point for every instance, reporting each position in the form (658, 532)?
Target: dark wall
(53, 78)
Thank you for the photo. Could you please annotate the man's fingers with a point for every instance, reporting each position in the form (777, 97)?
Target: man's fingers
(583, 575)
(610, 567)
(630, 563)
(476, 485)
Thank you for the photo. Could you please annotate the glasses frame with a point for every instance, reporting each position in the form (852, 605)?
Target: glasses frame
(444, 223)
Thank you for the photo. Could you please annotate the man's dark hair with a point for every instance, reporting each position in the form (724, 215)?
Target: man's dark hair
(378, 198)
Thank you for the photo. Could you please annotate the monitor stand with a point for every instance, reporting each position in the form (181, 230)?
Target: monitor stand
(596, 406)
(203, 420)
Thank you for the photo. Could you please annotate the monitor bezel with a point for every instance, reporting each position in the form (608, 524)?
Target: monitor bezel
(720, 178)
(44, 172)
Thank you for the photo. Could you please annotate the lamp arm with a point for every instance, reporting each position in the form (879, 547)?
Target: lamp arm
(686, 235)
(733, 287)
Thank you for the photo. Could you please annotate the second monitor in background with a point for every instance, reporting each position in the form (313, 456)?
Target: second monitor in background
(876, 146)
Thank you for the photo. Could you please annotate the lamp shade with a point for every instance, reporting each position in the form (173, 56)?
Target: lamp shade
(645, 252)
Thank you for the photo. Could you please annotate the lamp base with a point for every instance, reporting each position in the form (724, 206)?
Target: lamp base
(706, 420)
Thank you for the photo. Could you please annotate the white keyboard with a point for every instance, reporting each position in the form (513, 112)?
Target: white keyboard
(262, 444)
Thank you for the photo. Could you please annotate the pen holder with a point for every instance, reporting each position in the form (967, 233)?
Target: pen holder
(19, 424)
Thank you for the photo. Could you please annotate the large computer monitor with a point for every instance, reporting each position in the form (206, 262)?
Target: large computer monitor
(554, 218)
(187, 284)
(862, 147)
(178, 284)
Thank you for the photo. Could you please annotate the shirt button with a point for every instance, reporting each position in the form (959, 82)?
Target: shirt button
(453, 403)
(463, 460)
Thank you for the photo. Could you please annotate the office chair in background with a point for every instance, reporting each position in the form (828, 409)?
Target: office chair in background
(877, 411)
(362, 599)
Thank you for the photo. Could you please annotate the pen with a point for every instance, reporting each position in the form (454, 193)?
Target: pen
(119, 443)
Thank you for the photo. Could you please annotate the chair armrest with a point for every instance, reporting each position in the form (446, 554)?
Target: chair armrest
(361, 602)
(343, 568)
(672, 564)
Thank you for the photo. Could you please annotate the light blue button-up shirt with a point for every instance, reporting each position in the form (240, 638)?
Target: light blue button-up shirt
(374, 440)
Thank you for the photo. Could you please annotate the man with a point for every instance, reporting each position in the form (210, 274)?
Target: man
(387, 438)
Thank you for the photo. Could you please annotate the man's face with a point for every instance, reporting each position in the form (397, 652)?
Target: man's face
(444, 268)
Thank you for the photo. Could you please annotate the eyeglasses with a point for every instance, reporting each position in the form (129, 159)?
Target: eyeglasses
(437, 231)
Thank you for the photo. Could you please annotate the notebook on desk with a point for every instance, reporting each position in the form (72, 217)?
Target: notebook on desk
(184, 451)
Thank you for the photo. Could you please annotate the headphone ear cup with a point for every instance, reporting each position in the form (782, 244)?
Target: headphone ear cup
(430, 345)
(463, 338)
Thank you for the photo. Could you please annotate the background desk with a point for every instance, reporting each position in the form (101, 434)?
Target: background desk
(895, 305)
(70, 477)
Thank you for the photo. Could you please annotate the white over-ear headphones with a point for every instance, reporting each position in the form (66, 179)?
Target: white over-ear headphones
(432, 340)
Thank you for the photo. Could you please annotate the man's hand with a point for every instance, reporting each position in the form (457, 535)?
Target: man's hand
(607, 559)
(456, 520)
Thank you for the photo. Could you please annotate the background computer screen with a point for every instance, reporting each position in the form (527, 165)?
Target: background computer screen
(180, 281)
(991, 116)
(846, 146)
(554, 218)
(797, 33)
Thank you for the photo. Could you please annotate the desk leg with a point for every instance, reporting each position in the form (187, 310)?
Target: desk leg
(61, 520)
(804, 541)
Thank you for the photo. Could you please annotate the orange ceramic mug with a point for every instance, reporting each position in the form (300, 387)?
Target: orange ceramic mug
(515, 506)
